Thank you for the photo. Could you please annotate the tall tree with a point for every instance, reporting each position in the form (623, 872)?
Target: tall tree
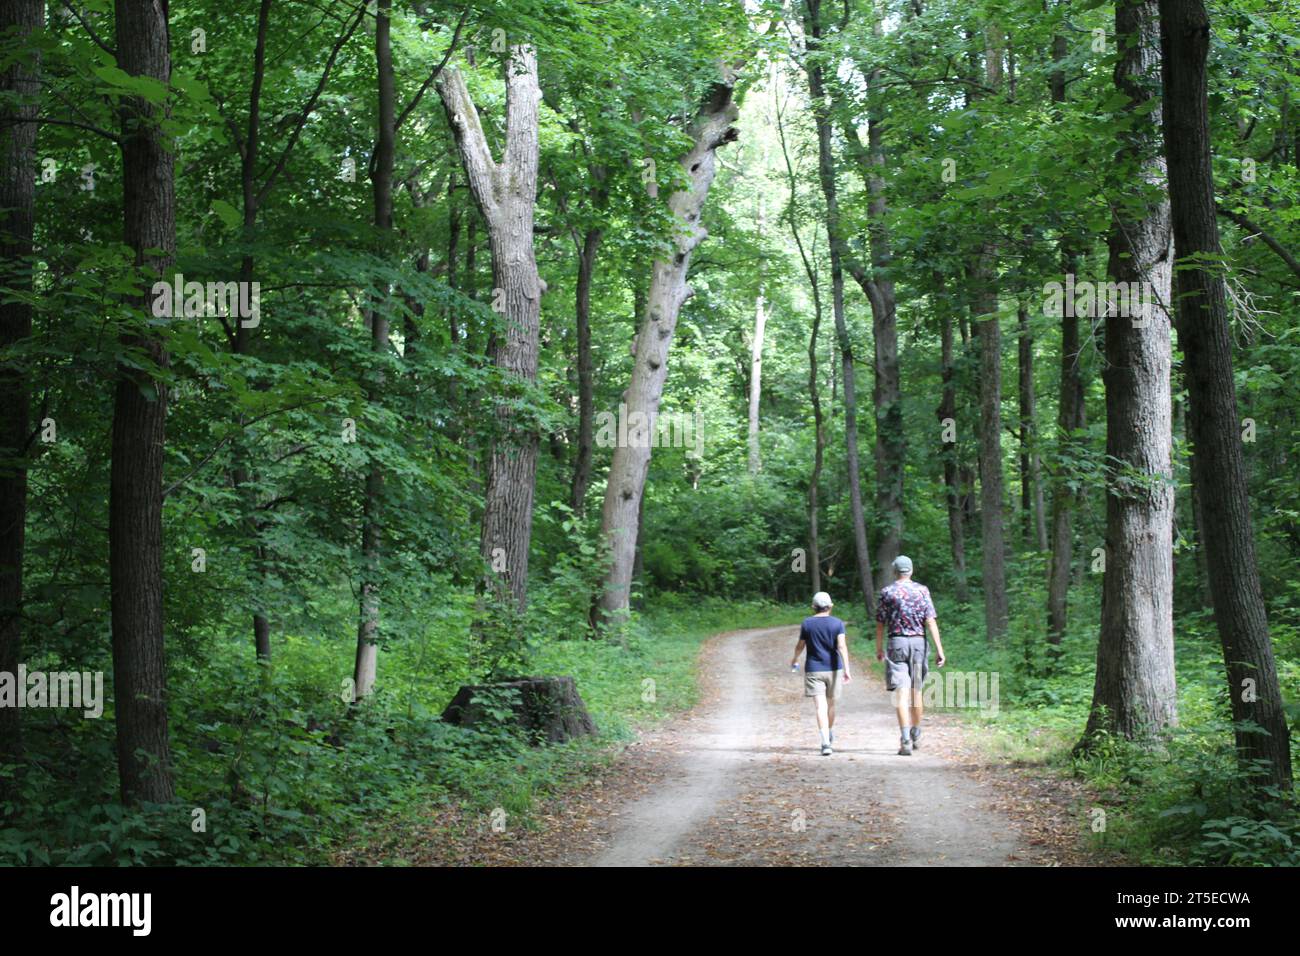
(506, 194)
(988, 330)
(1031, 483)
(711, 128)
(814, 397)
(588, 232)
(1071, 412)
(381, 178)
(878, 286)
(1134, 693)
(139, 418)
(756, 363)
(587, 250)
(814, 65)
(948, 446)
(19, 85)
(1204, 334)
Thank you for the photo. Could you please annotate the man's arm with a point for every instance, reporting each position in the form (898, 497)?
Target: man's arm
(880, 640)
(933, 626)
(798, 649)
(842, 645)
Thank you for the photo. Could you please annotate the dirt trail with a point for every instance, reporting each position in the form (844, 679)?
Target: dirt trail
(740, 780)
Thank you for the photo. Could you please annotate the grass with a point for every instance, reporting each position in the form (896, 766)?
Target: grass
(629, 682)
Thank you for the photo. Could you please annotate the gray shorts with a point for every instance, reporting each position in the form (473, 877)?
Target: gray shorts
(907, 661)
(823, 684)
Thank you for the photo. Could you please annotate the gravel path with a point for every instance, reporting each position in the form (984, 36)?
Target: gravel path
(740, 780)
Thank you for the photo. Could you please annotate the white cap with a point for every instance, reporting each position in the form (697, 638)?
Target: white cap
(821, 600)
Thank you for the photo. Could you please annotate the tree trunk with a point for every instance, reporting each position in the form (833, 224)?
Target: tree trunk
(756, 382)
(1134, 694)
(988, 333)
(756, 360)
(139, 421)
(453, 249)
(506, 194)
(1071, 417)
(838, 248)
(20, 84)
(381, 178)
(586, 381)
(947, 413)
(240, 339)
(819, 446)
(988, 330)
(886, 392)
(668, 290)
(819, 429)
(1031, 478)
(548, 710)
(1213, 418)
(1065, 500)
(638, 557)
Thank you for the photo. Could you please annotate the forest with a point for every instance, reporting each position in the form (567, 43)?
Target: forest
(359, 356)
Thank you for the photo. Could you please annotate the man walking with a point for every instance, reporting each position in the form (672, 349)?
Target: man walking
(904, 613)
(826, 666)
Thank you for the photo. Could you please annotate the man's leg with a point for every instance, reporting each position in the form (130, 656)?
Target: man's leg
(901, 697)
(918, 711)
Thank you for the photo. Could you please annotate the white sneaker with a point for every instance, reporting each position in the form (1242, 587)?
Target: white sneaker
(826, 750)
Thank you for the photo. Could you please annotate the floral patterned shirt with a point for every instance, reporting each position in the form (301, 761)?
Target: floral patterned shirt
(904, 607)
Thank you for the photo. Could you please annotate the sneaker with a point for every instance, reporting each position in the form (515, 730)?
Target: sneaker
(916, 738)
(905, 748)
(826, 750)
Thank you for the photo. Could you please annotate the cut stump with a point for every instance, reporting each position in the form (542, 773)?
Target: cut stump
(548, 709)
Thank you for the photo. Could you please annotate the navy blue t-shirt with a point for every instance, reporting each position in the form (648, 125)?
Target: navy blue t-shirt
(820, 633)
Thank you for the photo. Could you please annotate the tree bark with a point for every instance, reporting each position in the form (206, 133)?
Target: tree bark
(139, 420)
(756, 382)
(838, 250)
(21, 83)
(712, 127)
(506, 194)
(1031, 478)
(819, 446)
(947, 413)
(1134, 694)
(989, 333)
(586, 378)
(381, 178)
(886, 392)
(1204, 334)
(1071, 417)
(1071, 421)
(819, 429)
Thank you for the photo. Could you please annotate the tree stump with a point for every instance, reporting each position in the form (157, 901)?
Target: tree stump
(548, 709)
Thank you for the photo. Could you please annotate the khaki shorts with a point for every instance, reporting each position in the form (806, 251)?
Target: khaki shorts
(823, 683)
